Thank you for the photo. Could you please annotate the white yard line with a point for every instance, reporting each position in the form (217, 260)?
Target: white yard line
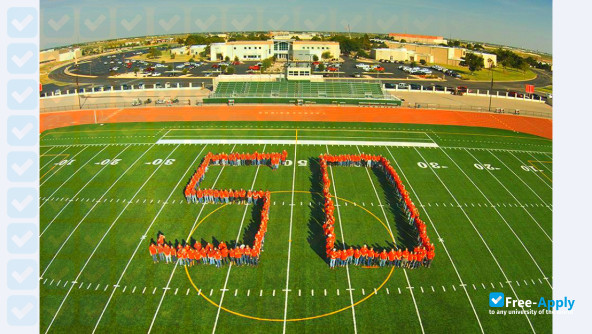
(293, 142)
(351, 296)
(72, 175)
(89, 211)
(462, 284)
(514, 197)
(60, 167)
(237, 238)
(478, 233)
(287, 289)
(544, 165)
(500, 215)
(101, 241)
(535, 173)
(144, 236)
(80, 190)
(176, 264)
(391, 231)
(521, 180)
(55, 156)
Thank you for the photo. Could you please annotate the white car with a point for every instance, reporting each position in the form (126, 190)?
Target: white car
(156, 74)
(180, 66)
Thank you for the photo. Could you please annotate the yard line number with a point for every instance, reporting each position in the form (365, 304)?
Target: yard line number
(423, 164)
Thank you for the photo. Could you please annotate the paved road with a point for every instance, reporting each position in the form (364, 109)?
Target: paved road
(100, 68)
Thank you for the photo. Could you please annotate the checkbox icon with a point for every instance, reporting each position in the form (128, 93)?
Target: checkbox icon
(22, 166)
(57, 22)
(22, 310)
(22, 238)
(131, 20)
(496, 299)
(95, 22)
(22, 274)
(22, 130)
(22, 94)
(22, 58)
(22, 203)
(22, 22)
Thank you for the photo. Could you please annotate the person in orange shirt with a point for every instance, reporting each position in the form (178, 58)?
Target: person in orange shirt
(357, 255)
(218, 258)
(167, 253)
(216, 196)
(398, 257)
(160, 252)
(429, 258)
(188, 193)
(350, 255)
(160, 238)
(203, 253)
(383, 257)
(284, 157)
(231, 255)
(153, 251)
(343, 258)
(405, 259)
(391, 257)
(224, 254)
(200, 195)
(238, 255)
(173, 253)
(332, 258)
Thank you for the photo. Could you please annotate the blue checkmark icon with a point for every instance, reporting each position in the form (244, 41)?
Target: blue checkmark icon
(496, 299)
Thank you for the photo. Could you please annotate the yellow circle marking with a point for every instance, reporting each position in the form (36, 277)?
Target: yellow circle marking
(292, 319)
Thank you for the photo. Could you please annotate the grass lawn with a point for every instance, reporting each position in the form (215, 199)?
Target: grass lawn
(106, 190)
(546, 89)
(499, 74)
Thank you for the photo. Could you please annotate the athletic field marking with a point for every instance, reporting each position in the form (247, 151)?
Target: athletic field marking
(499, 214)
(536, 174)
(237, 238)
(351, 296)
(60, 167)
(479, 234)
(514, 197)
(68, 179)
(290, 235)
(80, 190)
(176, 264)
(293, 142)
(55, 156)
(391, 231)
(90, 210)
(103, 238)
(145, 233)
(444, 147)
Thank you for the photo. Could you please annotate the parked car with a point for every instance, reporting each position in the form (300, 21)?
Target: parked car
(158, 85)
(356, 75)
(415, 86)
(137, 102)
(254, 67)
(402, 85)
(389, 85)
(515, 94)
(218, 66)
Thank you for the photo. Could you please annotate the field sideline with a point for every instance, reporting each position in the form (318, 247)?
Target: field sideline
(106, 190)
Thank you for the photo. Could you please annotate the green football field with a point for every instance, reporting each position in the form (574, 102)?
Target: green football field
(107, 190)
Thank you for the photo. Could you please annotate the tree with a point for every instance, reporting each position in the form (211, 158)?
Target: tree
(403, 41)
(315, 58)
(154, 53)
(230, 70)
(315, 38)
(321, 67)
(363, 54)
(185, 71)
(266, 63)
(413, 63)
(136, 70)
(474, 62)
(524, 67)
(326, 55)
(236, 59)
(422, 61)
(226, 58)
(170, 67)
(172, 55)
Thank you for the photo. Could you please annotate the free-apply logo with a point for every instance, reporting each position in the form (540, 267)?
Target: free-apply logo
(496, 299)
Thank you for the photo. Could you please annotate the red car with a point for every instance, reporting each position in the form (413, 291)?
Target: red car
(215, 66)
(236, 63)
(332, 69)
(379, 69)
(254, 67)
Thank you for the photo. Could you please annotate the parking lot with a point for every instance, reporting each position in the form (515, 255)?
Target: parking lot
(118, 72)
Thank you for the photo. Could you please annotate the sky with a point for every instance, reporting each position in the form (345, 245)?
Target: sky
(520, 23)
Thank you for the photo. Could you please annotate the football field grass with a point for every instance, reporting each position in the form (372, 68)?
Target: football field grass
(107, 190)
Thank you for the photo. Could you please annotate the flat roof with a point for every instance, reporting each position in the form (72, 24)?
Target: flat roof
(315, 42)
(249, 42)
(416, 36)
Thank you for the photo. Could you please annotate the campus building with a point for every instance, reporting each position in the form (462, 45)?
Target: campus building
(59, 55)
(431, 54)
(424, 39)
(282, 49)
(189, 50)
